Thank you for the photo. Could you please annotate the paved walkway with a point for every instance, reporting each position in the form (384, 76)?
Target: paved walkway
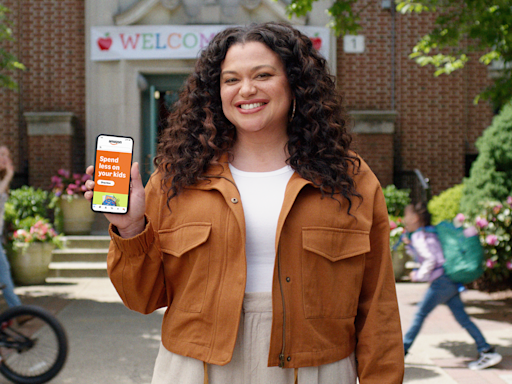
(110, 344)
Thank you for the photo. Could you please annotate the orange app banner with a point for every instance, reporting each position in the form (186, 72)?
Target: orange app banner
(112, 172)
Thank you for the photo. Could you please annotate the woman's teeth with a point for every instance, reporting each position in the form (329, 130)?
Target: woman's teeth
(251, 106)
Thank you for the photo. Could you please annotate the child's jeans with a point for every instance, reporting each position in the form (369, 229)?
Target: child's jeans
(444, 291)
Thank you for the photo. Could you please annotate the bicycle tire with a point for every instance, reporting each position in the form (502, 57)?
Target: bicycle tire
(33, 364)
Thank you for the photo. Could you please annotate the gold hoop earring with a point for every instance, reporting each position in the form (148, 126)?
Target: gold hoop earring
(293, 110)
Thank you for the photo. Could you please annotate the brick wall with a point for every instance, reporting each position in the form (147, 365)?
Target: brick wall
(51, 44)
(437, 123)
(377, 149)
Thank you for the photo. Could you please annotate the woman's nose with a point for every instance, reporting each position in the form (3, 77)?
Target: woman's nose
(247, 88)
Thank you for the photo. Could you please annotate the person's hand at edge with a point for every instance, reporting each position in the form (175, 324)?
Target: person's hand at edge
(132, 222)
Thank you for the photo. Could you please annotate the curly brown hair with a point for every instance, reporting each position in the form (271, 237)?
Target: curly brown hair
(199, 133)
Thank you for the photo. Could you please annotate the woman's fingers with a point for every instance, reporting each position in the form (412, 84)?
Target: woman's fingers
(89, 184)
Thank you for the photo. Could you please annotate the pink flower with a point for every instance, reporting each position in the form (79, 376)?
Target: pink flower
(491, 239)
(509, 200)
(509, 265)
(56, 179)
(392, 224)
(63, 172)
(86, 177)
(497, 208)
(481, 222)
(490, 264)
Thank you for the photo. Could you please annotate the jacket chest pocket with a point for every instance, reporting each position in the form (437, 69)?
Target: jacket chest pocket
(186, 257)
(332, 271)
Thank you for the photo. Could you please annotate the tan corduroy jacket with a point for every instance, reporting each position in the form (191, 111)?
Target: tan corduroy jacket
(333, 289)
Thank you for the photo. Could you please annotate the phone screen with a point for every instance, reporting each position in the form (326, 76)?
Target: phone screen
(112, 174)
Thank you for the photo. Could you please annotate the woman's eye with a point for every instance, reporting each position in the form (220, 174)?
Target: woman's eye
(263, 75)
(230, 80)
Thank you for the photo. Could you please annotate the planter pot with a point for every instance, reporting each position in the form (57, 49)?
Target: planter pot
(399, 258)
(77, 216)
(30, 265)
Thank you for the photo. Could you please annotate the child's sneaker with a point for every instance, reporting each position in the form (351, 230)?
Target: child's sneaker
(487, 359)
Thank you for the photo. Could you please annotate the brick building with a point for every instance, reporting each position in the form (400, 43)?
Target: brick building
(403, 117)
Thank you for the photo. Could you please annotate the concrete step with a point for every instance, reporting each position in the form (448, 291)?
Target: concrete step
(83, 256)
(78, 269)
(79, 255)
(97, 242)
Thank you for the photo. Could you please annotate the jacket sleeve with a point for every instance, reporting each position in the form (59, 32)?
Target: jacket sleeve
(135, 265)
(379, 348)
(427, 246)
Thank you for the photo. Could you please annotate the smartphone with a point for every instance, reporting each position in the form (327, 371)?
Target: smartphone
(112, 167)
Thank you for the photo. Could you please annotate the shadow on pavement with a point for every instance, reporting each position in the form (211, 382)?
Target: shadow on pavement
(460, 349)
(416, 372)
(496, 310)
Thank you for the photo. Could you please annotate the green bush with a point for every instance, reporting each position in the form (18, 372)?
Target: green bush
(446, 205)
(491, 174)
(28, 202)
(396, 199)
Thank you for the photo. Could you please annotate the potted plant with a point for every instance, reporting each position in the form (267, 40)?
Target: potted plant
(76, 210)
(31, 248)
(398, 255)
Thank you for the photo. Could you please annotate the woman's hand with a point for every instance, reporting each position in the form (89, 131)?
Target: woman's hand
(132, 222)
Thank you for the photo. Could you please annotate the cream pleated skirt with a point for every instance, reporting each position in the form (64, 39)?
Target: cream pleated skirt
(250, 357)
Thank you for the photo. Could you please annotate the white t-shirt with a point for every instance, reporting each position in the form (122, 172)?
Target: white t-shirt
(262, 195)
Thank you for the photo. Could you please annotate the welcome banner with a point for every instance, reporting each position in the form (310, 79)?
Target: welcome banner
(148, 42)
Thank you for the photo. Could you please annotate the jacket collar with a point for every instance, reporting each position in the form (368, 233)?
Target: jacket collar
(221, 179)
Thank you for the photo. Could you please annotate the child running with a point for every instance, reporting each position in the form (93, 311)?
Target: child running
(422, 242)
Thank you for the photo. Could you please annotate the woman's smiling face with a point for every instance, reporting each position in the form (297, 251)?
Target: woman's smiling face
(254, 89)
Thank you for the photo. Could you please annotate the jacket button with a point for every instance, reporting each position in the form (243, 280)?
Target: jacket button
(288, 279)
(234, 200)
(289, 358)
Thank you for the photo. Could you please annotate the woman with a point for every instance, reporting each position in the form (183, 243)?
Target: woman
(423, 243)
(6, 175)
(300, 276)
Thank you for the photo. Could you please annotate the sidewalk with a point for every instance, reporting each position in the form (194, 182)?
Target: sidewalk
(111, 344)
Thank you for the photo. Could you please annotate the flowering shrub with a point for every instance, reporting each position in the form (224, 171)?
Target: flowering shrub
(494, 225)
(35, 230)
(69, 185)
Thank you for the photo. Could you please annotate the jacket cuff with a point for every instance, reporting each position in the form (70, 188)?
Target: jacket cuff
(136, 245)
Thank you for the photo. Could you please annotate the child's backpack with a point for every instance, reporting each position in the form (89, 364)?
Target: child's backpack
(464, 255)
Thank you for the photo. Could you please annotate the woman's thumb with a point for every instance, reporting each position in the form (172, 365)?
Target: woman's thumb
(136, 178)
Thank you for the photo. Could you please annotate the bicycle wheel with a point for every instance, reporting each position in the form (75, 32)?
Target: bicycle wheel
(33, 345)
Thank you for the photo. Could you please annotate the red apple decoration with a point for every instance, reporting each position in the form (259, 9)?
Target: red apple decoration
(317, 42)
(105, 42)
